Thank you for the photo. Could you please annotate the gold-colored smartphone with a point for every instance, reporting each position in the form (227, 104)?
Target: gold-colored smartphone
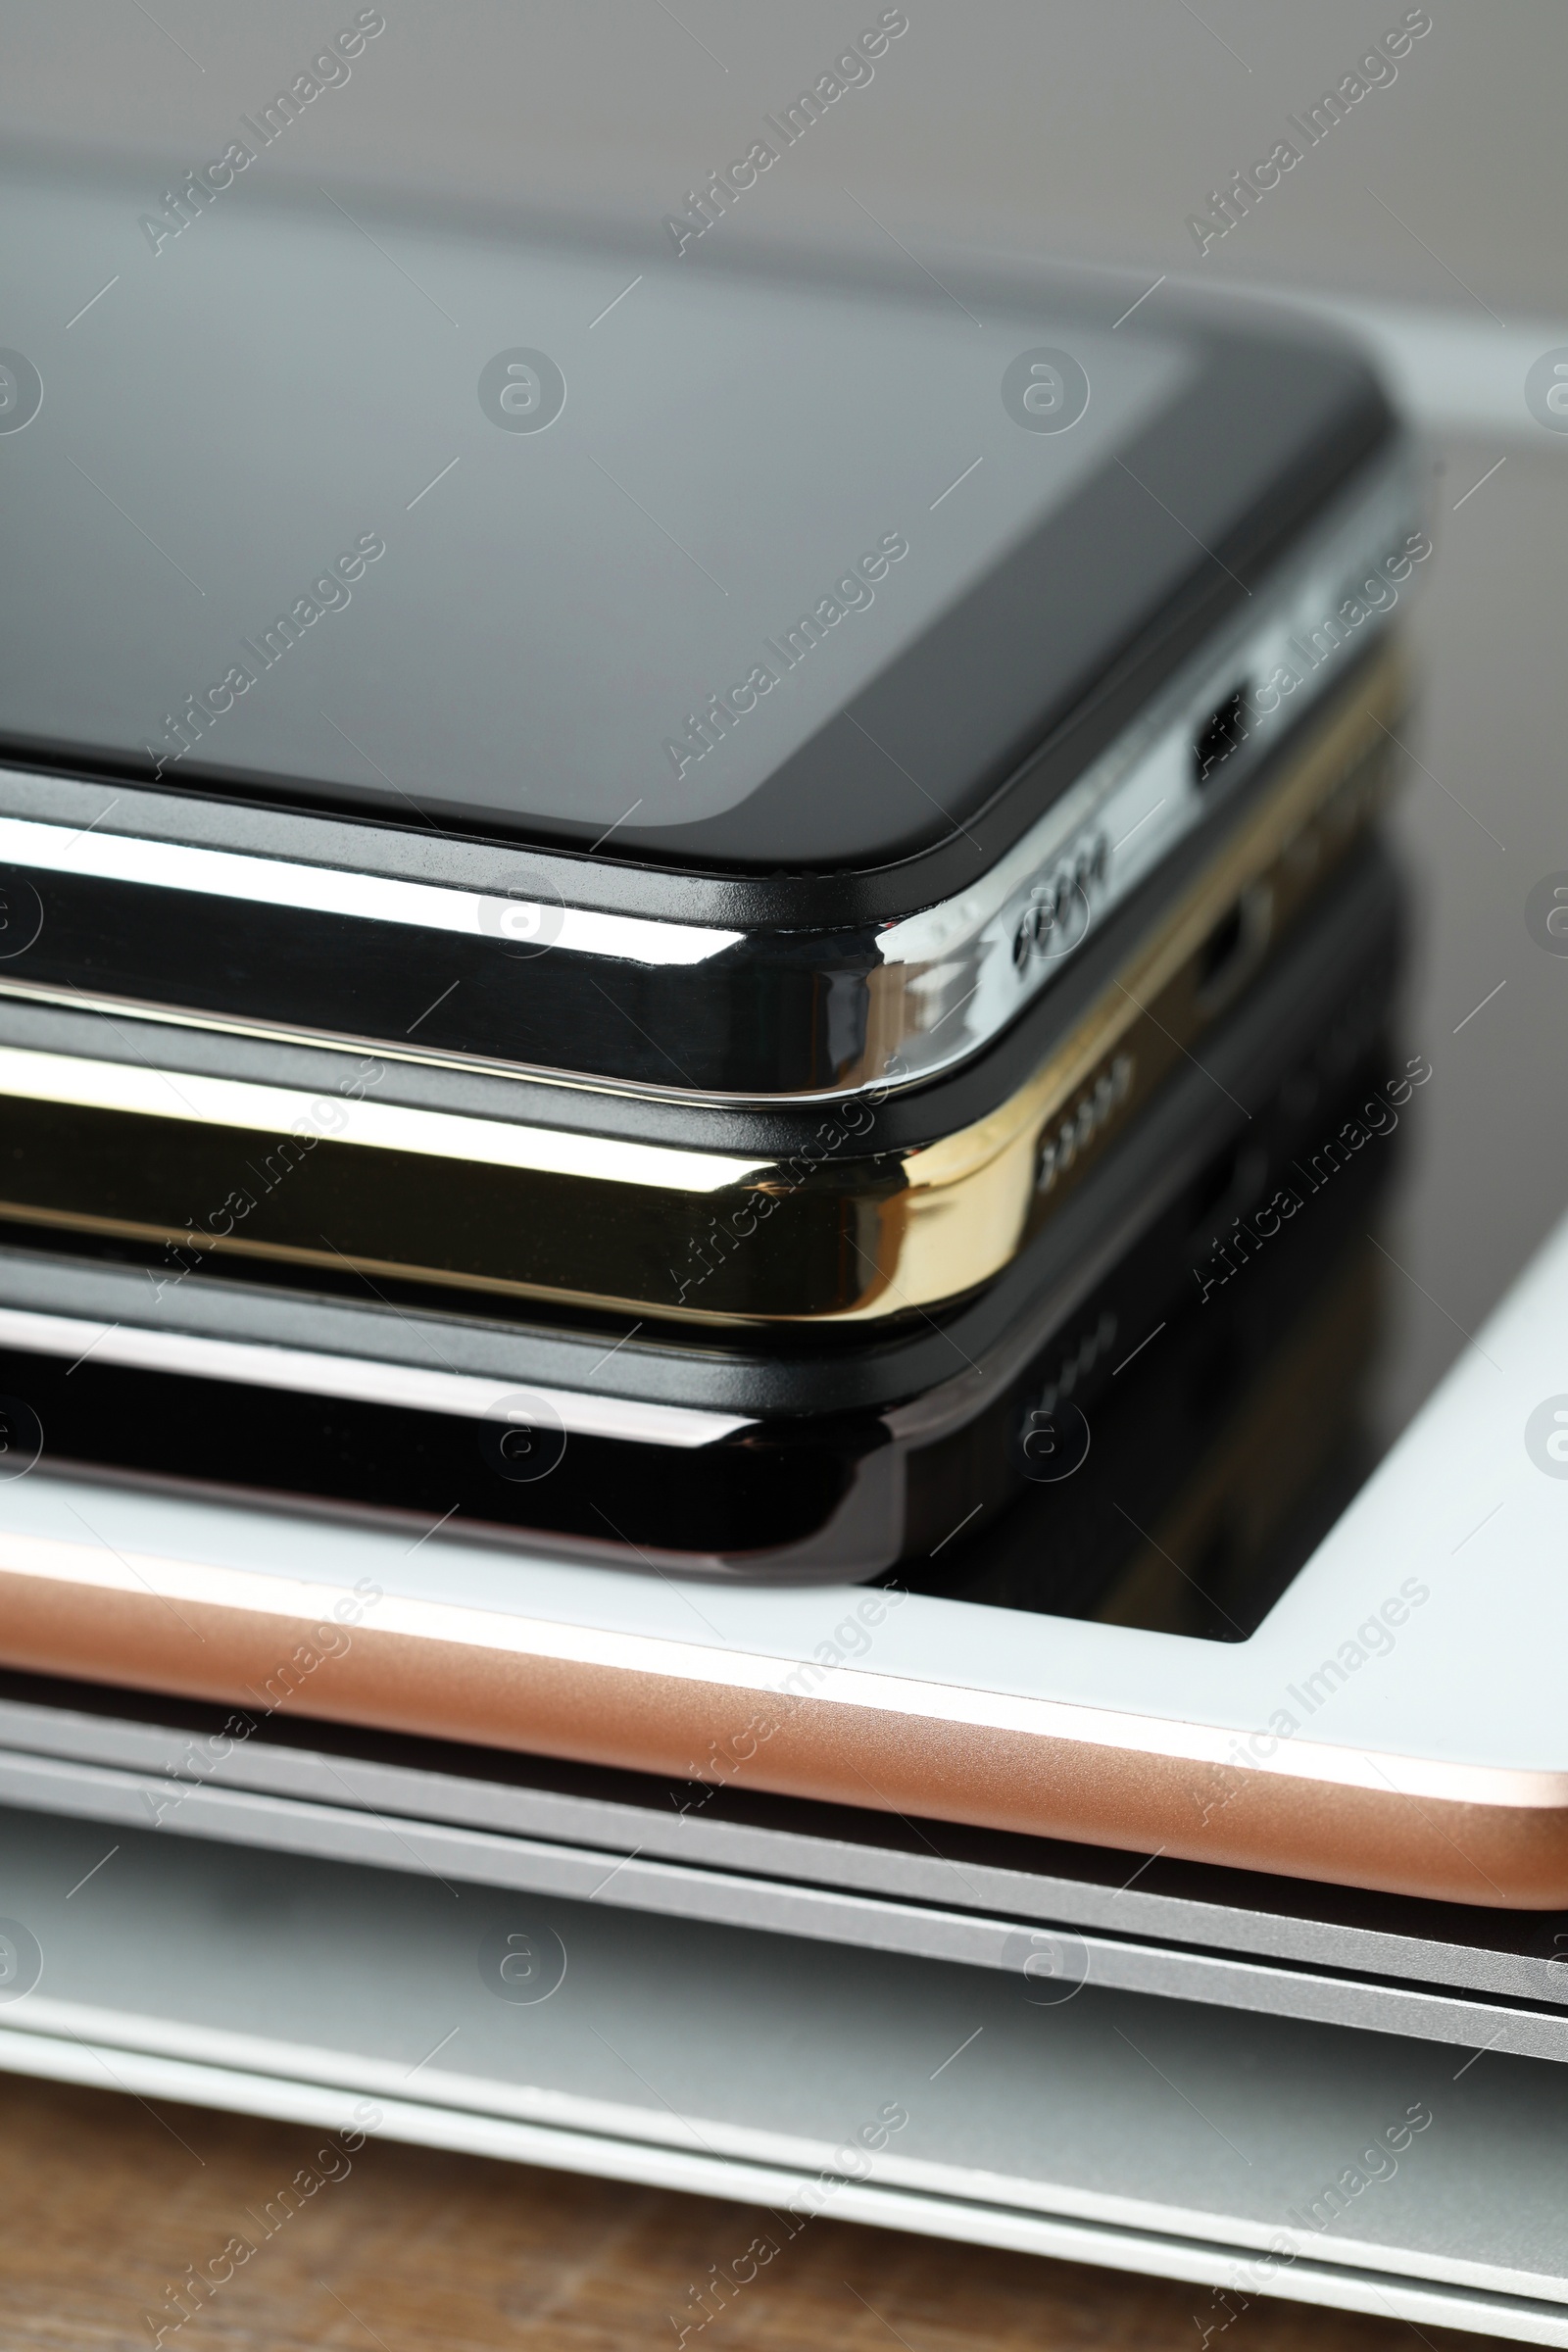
(190, 1142)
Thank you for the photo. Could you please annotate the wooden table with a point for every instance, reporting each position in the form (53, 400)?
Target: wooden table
(104, 2201)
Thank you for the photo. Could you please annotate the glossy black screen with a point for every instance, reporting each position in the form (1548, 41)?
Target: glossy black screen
(460, 529)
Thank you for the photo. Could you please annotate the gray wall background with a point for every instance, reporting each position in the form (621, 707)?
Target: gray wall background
(1080, 127)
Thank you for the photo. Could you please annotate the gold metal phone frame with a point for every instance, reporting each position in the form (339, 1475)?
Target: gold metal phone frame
(343, 1180)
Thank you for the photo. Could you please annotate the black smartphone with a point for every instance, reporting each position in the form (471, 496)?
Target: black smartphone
(896, 1451)
(470, 639)
(195, 1144)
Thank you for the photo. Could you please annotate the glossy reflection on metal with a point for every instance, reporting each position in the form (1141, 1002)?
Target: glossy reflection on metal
(910, 996)
(1409, 1824)
(161, 1156)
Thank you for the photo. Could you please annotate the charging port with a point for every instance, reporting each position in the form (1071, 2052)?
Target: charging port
(1235, 948)
(1226, 940)
(1221, 731)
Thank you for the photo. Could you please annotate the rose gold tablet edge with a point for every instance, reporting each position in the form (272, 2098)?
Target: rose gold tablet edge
(1502, 1851)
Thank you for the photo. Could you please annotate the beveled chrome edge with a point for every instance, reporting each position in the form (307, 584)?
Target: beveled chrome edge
(365, 1380)
(1300, 789)
(954, 967)
(279, 1103)
(95, 855)
(349, 1042)
(968, 957)
(187, 1098)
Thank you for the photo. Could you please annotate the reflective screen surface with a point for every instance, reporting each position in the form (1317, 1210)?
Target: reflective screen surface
(433, 403)
(1268, 1438)
(470, 523)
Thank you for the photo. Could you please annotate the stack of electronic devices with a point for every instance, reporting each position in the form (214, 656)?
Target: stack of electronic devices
(707, 1117)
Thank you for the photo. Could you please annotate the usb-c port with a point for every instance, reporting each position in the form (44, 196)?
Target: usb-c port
(1235, 948)
(1221, 732)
